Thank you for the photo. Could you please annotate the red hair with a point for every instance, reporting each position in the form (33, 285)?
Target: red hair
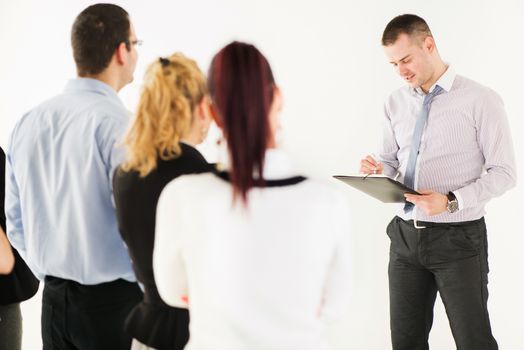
(241, 86)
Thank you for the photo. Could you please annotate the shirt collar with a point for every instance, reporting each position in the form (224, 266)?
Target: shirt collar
(94, 85)
(445, 81)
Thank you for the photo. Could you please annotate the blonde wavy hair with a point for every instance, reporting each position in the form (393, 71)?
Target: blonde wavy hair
(172, 89)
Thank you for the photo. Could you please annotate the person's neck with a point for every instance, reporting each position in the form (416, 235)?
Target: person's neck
(441, 68)
(105, 77)
(190, 140)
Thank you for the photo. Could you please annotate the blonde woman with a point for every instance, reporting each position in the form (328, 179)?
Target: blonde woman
(173, 116)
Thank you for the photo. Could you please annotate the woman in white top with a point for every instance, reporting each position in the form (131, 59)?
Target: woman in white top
(258, 254)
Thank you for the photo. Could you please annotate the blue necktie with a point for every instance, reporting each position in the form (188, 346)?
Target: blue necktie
(409, 177)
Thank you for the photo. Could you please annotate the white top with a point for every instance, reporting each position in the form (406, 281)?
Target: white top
(258, 278)
(466, 146)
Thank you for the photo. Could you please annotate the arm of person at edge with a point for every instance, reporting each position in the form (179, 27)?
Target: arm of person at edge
(7, 259)
(13, 211)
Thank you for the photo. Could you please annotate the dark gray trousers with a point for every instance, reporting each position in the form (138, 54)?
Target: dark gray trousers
(10, 327)
(87, 317)
(451, 259)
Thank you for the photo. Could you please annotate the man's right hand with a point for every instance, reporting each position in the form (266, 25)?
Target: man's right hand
(369, 165)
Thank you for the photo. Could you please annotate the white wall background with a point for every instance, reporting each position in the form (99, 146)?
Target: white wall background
(327, 58)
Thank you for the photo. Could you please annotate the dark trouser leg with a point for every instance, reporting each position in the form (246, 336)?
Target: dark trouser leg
(82, 317)
(412, 291)
(54, 327)
(455, 255)
(97, 314)
(461, 270)
(10, 327)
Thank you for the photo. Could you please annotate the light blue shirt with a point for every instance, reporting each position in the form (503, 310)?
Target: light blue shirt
(59, 208)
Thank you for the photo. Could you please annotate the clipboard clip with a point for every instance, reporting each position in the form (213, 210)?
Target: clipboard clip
(395, 178)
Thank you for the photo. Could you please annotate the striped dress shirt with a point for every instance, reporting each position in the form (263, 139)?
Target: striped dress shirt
(466, 146)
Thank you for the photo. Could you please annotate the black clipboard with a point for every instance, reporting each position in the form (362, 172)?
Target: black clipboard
(378, 186)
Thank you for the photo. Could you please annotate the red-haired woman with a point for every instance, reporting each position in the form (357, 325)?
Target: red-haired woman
(257, 253)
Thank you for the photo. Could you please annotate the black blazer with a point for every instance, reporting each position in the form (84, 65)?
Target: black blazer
(152, 322)
(20, 284)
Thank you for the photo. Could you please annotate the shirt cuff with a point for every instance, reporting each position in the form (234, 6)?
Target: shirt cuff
(389, 171)
(459, 199)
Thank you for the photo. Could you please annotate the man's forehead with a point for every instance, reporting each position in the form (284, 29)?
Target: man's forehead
(131, 29)
(401, 48)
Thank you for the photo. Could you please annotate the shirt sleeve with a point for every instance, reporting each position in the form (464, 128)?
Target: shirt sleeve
(337, 288)
(494, 139)
(13, 212)
(110, 137)
(168, 266)
(389, 147)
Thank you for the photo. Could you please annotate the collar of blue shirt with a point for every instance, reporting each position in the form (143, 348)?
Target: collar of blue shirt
(95, 85)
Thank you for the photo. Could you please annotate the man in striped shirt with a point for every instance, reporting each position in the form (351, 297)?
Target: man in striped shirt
(448, 137)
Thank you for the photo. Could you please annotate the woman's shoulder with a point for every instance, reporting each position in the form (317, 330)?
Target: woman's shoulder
(323, 189)
(187, 191)
(190, 160)
(192, 184)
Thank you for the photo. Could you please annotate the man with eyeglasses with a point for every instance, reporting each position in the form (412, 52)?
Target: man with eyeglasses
(60, 213)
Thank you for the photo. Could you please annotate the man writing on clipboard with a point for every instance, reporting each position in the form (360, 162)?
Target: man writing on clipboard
(449, 139)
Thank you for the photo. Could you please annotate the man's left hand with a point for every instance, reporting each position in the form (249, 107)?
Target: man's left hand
(432, 203)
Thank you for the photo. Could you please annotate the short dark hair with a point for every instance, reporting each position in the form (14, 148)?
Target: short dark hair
(241, 85)
(96, 33)
(411, 25)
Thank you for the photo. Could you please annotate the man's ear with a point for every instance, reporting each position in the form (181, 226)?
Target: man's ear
(121, 52)
(429, 43)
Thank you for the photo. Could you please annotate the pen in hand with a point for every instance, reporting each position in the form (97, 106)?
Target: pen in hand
(369, 165)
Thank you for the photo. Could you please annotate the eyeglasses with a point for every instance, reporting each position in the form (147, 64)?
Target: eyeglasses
(133, 42)
(137, 42)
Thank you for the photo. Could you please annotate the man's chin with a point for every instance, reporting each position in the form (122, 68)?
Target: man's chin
(414, 84)
(130, 80)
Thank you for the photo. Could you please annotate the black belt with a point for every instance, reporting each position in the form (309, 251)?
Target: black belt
(428, 224)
